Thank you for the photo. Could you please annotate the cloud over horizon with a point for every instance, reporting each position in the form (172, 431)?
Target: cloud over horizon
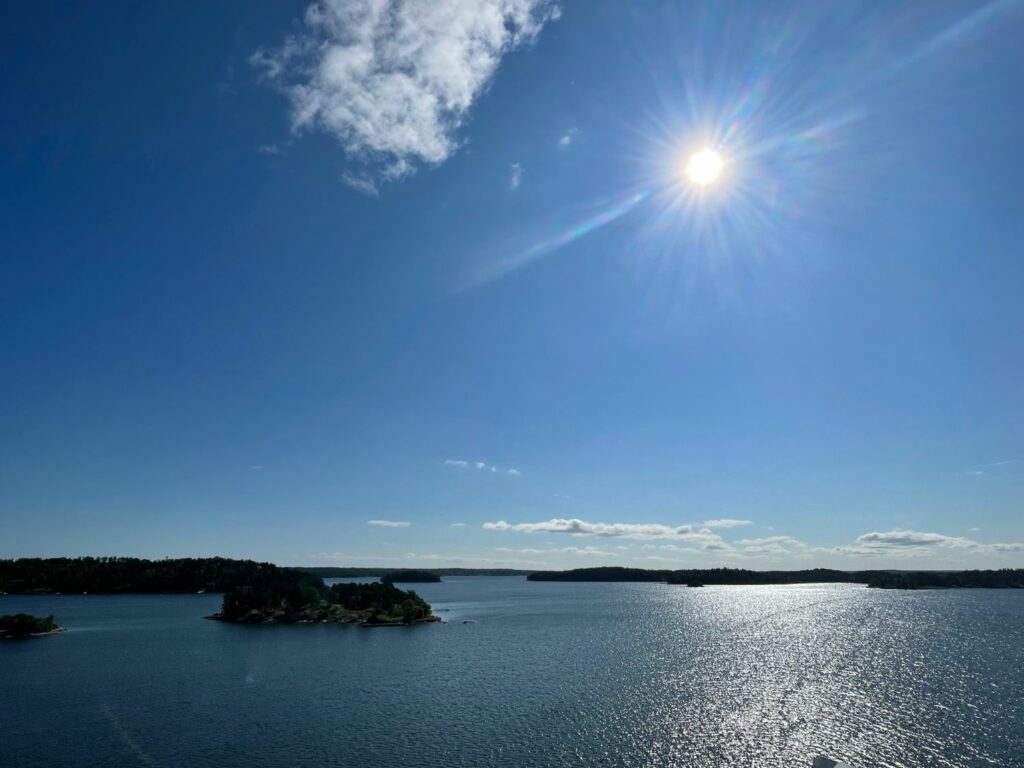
(702, 535)
(919, 543)
(393, 80)
(389, 523)
(701, 538)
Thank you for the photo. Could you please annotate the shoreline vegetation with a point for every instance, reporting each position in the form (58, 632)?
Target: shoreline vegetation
(411, 576)
(1005, 578)
(336, 572)
(21, 626)
(262, 583)
(254, 593)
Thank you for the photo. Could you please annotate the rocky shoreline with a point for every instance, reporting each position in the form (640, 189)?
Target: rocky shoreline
(330, 615)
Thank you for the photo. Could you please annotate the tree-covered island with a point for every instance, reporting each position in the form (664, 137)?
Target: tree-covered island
(22, 625)
(311, 601)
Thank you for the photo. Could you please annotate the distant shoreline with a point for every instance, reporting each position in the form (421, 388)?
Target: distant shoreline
(215, 575)
(889, 579)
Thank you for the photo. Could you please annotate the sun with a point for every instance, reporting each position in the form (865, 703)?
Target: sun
(704, 167)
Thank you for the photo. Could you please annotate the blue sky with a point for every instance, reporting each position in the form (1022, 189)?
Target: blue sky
(429, 284)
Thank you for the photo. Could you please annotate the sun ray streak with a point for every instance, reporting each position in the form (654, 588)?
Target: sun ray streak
(551, 245)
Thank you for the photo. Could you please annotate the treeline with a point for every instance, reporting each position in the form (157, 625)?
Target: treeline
(741, 576)
(333, 572)
(312, 600)
(1003, 578)
(604, 573)
(699, 576)
(410, 576)
(135, 575)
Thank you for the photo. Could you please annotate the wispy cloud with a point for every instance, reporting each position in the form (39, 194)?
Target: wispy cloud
(515, 176)
(982, 468)
(369, 560)
(457, 525)
(584, 551)
(914, 543)
(576, 527)
(393, 80)
(567, 137)
(269, 149)
(773, 546)
(725, 522)
(481, 466)
(389, 523)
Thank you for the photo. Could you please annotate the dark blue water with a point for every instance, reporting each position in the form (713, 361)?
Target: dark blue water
(549, 675)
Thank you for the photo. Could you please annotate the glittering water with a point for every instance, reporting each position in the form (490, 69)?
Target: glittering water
(549, 675)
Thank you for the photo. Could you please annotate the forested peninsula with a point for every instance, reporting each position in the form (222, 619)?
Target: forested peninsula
(254, 593)
(132, 575)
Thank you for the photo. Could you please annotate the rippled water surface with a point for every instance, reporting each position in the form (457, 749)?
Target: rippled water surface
(549, 675)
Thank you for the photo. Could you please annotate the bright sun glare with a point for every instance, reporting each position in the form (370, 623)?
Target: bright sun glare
(704, 167)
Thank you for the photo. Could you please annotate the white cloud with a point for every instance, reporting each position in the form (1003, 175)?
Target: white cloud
(515, 176)
(480, 465)
(393, 80)
(725, 522)
(457, 525)
(389, 523)
(577, 527)
(567, 138)
(917, 543)
(769, 546)
(269, 149)
(369, 561)
(586, 551)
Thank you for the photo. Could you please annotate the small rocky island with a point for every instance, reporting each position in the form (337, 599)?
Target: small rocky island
(310, 601)
(22, 625)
